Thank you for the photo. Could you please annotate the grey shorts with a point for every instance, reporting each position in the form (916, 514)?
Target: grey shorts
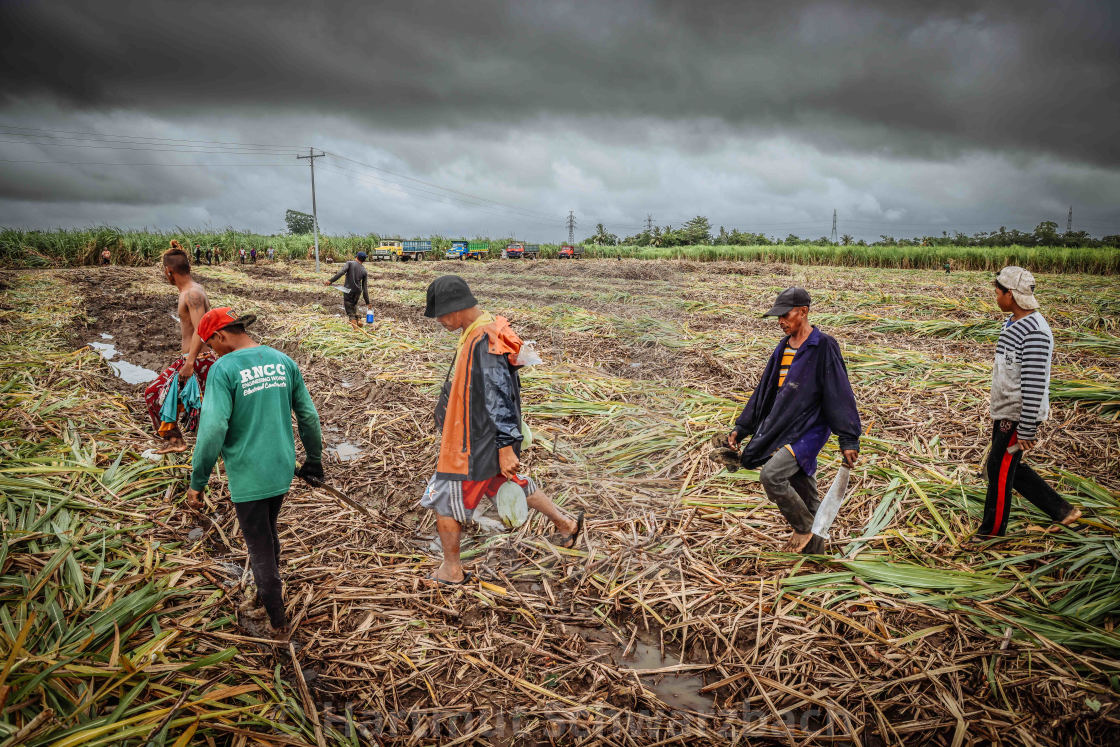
(451, 498)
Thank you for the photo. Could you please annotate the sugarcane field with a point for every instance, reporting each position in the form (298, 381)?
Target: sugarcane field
(678, 614)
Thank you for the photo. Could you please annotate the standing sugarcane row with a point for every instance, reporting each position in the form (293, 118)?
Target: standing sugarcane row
(250, 391)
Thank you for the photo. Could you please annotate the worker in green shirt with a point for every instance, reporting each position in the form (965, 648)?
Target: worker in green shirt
(251, 392)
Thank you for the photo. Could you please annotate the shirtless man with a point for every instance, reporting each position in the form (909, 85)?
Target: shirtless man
(176, 268)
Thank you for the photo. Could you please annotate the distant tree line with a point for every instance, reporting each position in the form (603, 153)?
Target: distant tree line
(698, 231)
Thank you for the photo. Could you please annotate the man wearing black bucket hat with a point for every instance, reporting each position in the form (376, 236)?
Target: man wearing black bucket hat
(804, 396)
(479, 414)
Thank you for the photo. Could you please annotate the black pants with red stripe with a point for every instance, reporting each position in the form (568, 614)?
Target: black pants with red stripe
(1006, 471)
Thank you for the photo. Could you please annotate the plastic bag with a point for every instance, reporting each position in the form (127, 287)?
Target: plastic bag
(511, 505)
(526, 436)
(527, 355)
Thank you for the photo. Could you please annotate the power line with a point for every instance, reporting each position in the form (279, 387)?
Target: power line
(571, 227)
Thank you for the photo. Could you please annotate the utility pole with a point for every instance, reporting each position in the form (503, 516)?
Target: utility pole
(572, 227)
(649, 223)
(834, 240)
(1069, 220)
(311, 156)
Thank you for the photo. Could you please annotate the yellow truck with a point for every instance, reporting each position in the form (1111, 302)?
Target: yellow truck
(396, 250)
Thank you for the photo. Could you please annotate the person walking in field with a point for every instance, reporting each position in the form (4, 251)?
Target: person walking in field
(241, 254)
(247, 419)
(479, 415)
(253, 256)
(193, 304)
(355, 289)
(804, 396)
(271, 254)
(106, 256)
(1020, 403)
(198, 254)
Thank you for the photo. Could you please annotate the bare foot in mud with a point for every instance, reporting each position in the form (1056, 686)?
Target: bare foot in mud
(174, 446)
(797, 542)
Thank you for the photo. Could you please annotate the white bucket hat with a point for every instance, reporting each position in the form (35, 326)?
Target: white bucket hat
(1021, 284)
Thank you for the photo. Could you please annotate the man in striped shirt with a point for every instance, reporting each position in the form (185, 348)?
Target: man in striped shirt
(1019, 405)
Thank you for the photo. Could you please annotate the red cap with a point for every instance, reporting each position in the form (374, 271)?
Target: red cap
(216, 319)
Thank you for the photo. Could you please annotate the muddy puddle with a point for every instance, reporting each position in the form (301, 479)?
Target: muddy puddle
(345, 451)
(130, 373)
(678, 690)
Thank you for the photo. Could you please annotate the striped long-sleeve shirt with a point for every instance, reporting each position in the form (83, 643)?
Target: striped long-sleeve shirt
(1021, 374)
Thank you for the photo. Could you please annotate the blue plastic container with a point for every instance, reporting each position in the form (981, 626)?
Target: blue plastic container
(369, 315)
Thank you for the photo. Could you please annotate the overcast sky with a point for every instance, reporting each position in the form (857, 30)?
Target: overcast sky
(492, 118)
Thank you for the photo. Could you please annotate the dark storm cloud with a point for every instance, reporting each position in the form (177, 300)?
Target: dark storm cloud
(932, 80)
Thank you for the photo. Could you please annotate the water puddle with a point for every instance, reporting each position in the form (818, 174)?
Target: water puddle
(679, 690)
(130, 373)
(345, 451)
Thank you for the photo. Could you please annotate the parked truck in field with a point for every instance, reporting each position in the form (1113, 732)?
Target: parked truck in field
(514, 250)
(532, 251)
(389, 250)
(396, 250)
(567, 251)
(468, 250)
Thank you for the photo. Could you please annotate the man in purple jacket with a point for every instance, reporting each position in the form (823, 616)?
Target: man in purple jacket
(804, 397)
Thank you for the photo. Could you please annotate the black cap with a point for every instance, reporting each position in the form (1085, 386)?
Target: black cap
(788, 299)
(448, 294)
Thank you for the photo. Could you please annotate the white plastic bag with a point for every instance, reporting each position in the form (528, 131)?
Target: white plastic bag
(527, 355)
(511, 505)
(526, 436)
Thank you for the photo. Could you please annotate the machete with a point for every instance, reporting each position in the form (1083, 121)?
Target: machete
(337, 494)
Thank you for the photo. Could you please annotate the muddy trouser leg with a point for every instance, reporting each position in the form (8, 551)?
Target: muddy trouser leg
(778, 477)
(258, 527)
(806, 487)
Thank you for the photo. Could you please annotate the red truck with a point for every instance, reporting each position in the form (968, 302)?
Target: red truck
(567, 251)
(514, 251)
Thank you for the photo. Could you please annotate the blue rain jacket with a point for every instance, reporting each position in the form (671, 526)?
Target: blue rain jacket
(815, 401)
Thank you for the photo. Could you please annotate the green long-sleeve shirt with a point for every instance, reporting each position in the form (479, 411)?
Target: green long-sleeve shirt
(251, 394)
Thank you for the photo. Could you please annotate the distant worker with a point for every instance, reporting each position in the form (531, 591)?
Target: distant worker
(271, 254)
(355, 289)
(947, 267)
(209, 255)
(480, 419)
(193, 304)
(311, 252)
(804, 396)
(1020, 403)
(198, 254)
(241, 254)
(106, 256)
(247, 420)
(253, 255)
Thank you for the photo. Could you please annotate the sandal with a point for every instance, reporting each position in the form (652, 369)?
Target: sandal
(467, 578)
(568, 541)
